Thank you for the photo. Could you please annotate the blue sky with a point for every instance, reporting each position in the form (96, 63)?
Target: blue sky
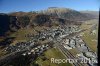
(35, 5)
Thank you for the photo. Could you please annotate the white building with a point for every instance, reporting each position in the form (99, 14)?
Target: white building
(67, 47)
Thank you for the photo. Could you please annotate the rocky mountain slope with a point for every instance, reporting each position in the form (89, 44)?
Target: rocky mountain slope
(94, 14)
(66, 13)
(50, 17)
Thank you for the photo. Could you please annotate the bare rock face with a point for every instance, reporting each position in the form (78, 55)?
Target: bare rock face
(7, 23)
(66, 13)
(4, 24)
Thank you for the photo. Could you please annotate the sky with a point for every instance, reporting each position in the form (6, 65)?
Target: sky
(7, 6)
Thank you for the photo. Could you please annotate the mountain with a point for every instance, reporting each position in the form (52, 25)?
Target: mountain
(7, 23)
(51, 17)
(95, 14)
(66, 13)
(19, 20)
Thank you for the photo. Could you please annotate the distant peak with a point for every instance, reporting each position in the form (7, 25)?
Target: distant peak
(52, 7)
(59, 8)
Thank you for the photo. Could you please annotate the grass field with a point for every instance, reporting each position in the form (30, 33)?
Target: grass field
(74, 51)
(52, 53)
(87, 37)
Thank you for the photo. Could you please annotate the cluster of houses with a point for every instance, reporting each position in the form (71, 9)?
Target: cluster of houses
(88, 57)
(49, 34)
(85, 52)
(20, 46)
(94, 29)
(33, 47)
(29, 47)
(74, 42)
(37, 50)
(59, 31)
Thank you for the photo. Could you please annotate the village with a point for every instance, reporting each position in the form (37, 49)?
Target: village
(51, 35)
(85, 51)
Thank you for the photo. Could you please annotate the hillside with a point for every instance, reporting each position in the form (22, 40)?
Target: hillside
(95, 14)
(53, 16)
(66, 13)
(21, 20)
(7, 23)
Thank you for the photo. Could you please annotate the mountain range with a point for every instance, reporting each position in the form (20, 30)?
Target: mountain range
(49, 17)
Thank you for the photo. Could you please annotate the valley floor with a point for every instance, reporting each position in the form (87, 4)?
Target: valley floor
(89, 37)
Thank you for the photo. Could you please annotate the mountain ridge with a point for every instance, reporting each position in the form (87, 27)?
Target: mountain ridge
(66, 13)
(52, 16)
